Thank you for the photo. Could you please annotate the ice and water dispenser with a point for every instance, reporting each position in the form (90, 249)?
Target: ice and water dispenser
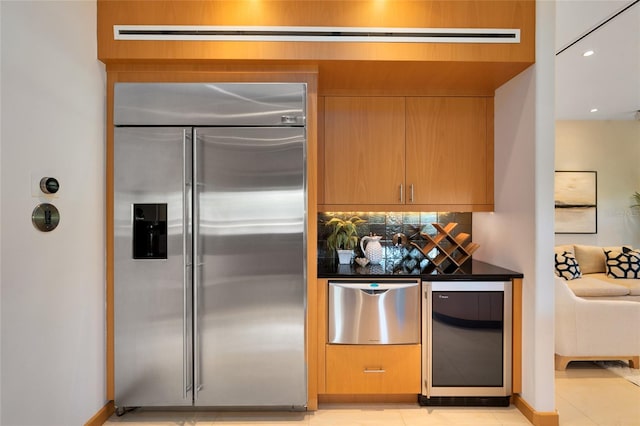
(150, 231)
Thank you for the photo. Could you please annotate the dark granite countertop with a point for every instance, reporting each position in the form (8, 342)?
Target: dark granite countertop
(472, 270)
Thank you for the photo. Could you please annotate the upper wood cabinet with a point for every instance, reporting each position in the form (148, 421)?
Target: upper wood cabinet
(364, 151)
(414, 153)
(449, 153)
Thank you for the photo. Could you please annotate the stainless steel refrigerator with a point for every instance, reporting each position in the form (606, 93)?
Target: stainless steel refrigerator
(209, 244)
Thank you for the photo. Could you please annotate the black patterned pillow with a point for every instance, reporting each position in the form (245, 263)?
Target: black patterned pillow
(623, 265)
(567, 266)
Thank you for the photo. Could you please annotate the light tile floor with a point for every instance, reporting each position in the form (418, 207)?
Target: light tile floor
(334, 415)
(586, 395)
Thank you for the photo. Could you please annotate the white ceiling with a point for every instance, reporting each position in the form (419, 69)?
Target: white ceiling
(609, 80)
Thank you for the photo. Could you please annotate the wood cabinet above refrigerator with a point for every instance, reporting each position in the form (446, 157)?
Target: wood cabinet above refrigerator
(407, 154)
(444, 68)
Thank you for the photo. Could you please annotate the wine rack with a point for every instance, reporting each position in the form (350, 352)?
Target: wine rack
(450, 251)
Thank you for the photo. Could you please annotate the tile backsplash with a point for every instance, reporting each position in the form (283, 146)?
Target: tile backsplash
(387, 224)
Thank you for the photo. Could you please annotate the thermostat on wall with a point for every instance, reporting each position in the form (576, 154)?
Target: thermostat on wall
(45, 185)
(49, 185)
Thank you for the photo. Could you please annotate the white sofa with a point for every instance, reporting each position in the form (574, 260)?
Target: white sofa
(595, 283)
(595, 329)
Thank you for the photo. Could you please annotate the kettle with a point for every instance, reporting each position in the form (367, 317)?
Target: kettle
(372, 248)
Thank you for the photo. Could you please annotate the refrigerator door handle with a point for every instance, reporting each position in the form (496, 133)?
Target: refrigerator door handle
(187, 380)
(196, 268)
(185, 330)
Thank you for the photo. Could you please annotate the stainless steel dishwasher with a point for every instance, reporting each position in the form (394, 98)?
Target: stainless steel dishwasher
(374, 312)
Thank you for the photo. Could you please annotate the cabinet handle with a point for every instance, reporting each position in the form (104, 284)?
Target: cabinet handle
(374, 370)
(401, 195)
(411, 199)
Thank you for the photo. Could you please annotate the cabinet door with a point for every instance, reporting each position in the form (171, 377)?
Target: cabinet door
(447, 150)
(364, 150)
(371, 369)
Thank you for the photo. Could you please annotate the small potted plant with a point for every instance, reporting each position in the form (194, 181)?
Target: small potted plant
(344, 237)
(636, 197)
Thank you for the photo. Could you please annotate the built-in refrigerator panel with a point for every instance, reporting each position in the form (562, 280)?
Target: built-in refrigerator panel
(250, 246)
(152, 244)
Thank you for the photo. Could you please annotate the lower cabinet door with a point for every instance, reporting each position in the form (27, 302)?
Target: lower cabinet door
(373, 369)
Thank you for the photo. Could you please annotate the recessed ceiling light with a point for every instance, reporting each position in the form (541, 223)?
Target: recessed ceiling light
(594, 109)
(588, 53)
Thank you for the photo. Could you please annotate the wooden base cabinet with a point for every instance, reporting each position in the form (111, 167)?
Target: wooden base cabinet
(373, 369)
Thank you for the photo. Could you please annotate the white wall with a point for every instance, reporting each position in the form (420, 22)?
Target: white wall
(519, 234)
(0, 213)
(612, 149)
(52, 284)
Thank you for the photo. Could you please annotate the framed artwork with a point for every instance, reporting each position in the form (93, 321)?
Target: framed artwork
(575, 198)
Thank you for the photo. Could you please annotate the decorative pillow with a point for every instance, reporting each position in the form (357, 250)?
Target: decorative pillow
(624, 264)
(590, 258)
(566, 266)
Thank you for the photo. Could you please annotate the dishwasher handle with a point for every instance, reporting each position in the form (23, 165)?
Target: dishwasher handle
(374, 285)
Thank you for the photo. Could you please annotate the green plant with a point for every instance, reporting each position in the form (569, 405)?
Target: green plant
(344, 235)
(636, 196)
